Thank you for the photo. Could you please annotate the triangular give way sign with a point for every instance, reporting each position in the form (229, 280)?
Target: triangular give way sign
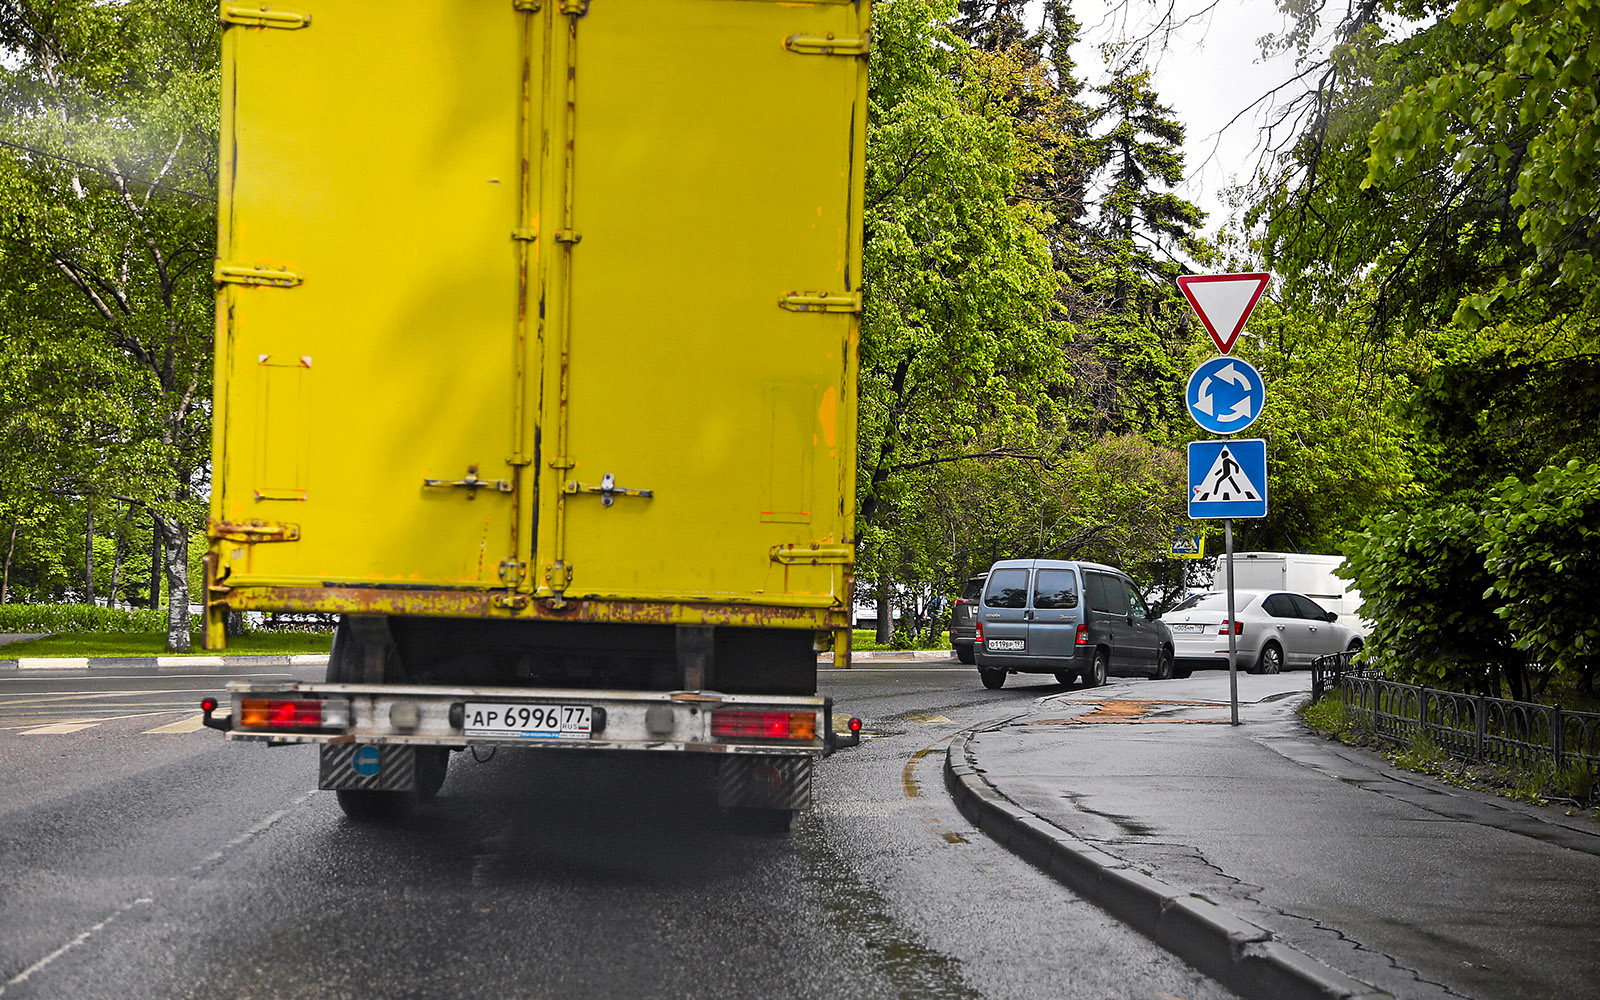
(1223, 302)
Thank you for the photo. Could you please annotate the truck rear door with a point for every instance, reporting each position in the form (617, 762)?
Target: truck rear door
(368, 294)
(700, 310)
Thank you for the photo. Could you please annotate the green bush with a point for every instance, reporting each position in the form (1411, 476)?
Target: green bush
(1542, 553)
(52, 618)
(1423, 586)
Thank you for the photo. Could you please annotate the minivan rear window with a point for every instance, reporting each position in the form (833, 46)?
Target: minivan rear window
(973, 588)
(1055, 588)
(1008, 588)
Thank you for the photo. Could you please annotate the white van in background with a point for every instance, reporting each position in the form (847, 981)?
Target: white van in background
(1311, 575)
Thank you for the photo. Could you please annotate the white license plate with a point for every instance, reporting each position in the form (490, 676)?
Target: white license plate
(547, 722)
(1186, 628)
(1005, 645)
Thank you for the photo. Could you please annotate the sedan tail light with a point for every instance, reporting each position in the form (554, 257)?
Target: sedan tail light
(1238, 628)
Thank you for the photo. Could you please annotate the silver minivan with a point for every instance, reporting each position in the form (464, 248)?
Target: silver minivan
(1070, 619)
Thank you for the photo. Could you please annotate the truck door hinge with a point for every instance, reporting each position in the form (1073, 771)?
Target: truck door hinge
(559, 576)
(261, 16)
(472, 484)
(576, 7)
(846, 302)
(257, 274)
(827, 45)
(527, 6)
(568, 236)
(608, 490)
(512, 573)
(253, 531)
(815, 554)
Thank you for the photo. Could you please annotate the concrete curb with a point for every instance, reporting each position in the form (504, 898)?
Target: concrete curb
(895, 654)
(1233, 951)
(101, 662)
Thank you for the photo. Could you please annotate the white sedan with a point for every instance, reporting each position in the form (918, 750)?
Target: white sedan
(1274, 630)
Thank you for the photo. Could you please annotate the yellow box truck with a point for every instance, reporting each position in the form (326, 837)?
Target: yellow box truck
(536, 349)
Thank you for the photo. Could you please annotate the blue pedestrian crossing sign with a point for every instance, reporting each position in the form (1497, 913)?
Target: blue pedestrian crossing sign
(1228, 479)
(1225, 395)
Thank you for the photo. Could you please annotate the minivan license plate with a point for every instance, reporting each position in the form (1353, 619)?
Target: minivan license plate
(549, 722)
(1004, 645)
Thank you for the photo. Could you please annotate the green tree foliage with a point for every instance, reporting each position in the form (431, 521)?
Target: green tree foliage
(1337, 447)
(957, 334)
(107, 237)
(1542, 553)
(1470, 594)
(1443, 197)
(1423, 583)
(1133, 328)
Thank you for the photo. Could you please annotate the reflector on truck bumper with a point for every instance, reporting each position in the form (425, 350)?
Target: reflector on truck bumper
(764, 782)
(370, 766)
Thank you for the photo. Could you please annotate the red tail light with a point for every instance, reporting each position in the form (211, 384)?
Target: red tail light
(978, 636)
(1238, 628)
(293, 713)
(1083, 635)
(734, 725)
(962, 600)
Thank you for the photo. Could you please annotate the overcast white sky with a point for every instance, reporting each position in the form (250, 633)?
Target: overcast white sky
(1209, 71)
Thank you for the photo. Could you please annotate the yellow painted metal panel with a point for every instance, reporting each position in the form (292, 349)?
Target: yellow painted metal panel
(590, 270)
(374, 153)
(704, 197)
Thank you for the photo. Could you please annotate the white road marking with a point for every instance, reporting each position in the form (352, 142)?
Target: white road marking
(25, 974)
(59, 728)
(193, 724)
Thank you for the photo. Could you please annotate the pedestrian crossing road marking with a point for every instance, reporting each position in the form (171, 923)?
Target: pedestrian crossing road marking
(59, 728)
(193, 724)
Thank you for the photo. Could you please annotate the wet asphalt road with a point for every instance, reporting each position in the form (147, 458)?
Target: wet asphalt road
(144, 864)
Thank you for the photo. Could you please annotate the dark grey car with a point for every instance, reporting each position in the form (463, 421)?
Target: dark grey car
(964, 618)
(1070, 619)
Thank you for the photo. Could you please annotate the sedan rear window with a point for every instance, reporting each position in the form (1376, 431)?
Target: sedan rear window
(1205, 602)
(1008, 588)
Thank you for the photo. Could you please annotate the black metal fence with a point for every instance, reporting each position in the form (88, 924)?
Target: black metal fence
(1468, 727)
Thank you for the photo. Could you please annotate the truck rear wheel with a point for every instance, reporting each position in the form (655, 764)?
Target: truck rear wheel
(775, 822)
(364, 806)
(433, 763)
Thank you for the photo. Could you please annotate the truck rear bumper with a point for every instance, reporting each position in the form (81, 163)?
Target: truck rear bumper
(424, 716)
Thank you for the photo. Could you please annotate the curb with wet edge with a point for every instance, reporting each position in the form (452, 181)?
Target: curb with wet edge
(1235, 952)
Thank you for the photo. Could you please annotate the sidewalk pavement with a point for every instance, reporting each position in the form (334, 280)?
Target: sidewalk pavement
(1280, 863)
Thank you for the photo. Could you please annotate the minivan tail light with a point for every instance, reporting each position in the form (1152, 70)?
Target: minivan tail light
(1238, 628)
(1083, 635)
(979, 634)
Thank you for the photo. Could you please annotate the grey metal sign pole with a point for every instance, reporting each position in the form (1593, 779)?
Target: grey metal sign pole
(1233, 630)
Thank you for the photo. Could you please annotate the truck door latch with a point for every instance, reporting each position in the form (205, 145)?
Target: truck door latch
(472, 484)
(608, 490)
